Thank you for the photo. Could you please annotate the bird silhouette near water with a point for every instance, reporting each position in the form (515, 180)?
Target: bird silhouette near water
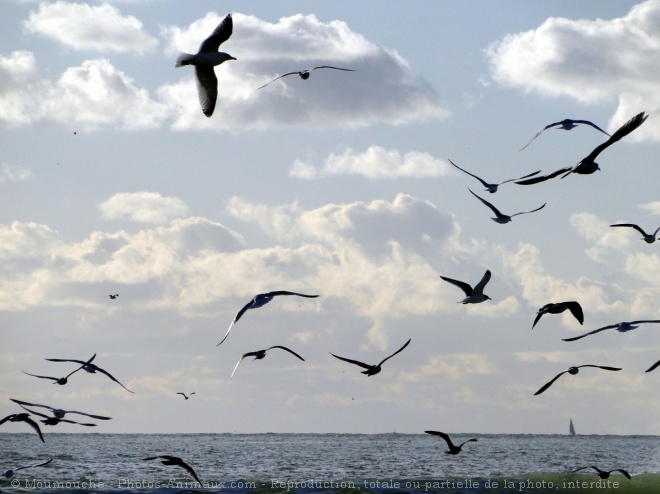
(604, 474)
(573, 371)
(371, 370)
(175, 461)
(259, 301)
(10, 473)
(304, 74)
(58, 414)
(206, 58)
(588, 165)
(24, 417)
(453, 449)
(90, 368)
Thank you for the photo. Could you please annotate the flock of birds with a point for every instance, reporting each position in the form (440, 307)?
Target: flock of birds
(204, 62)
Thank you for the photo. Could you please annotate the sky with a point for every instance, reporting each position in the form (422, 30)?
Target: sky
(112, 181)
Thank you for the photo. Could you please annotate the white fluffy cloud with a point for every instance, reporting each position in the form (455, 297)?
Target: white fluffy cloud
(10, 173)
(374, 163)
(99, 28)
(143, 207)
(591, 61)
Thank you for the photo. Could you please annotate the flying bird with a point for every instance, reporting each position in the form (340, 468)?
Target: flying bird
(259, 354)
(24, 417)
(112, 296)
(188, 396)
(574, 307)
(604, 474)
(58, 414)
(91, 368)
(647, 237)
(205, 60)
(60, 380)
(371, 370)
(10, 473)
(566, 124)
(492, 188)
(654, 366)
(304, 74)
(588, 165)
(453, 449)
(259, 301)
(573, 371)
(174, 460)
(499, 217)
(621, 327)
(472, 295)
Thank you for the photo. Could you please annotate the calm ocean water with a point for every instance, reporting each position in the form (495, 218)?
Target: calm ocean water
(328, 463)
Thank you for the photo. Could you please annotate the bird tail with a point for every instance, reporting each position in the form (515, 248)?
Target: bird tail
(184, 59)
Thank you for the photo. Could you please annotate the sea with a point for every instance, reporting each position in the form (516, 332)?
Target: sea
(328, 463)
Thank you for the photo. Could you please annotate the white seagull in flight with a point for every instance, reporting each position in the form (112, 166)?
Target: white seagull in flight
(304, 74)
(500, 217)
(472, 295)
(566, 124)
(492, 188)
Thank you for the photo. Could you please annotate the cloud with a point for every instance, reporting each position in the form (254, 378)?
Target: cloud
(651, 207)
(93, 94)
(99, 28)
(381, 90)
(591, 61)
(14, 172)
(374, 163)
(143, 207)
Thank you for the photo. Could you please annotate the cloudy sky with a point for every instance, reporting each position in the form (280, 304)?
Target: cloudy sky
(113, 181)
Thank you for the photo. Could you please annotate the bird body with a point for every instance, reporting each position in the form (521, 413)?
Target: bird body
(604, 474)
(304, 74)
(621, 327)
(371, 370)
(186, 396)
(205, 60)
(176, 461)
(90, 368)
(260, 354)
(453, 449)
(472, 295)
(502, 218)
(24, 417)
(573, 371)
(647, 237)
(557, 308)
(10, 473)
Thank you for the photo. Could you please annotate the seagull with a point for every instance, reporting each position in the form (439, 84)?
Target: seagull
(372, 370)
(204, 60)
(58, 414)
(603, 474)
(566, 124)
(453, 450)
(621, 327)
(653, 366)
(648, 238)
(304, 74)
(259, 354)
(174, 460)
(259, 301)
(588, 165)
(473, 295)
(558, 308)
(60, 380)
(492, 188)
(24, 417)
(499, 217)
(187, 397)
(112, 296)
(573, 371)
(10, 473)
(91, 368)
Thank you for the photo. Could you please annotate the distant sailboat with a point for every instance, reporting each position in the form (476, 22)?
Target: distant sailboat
(571, 429)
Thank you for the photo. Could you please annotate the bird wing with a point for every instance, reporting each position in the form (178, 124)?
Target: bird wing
(331, 67)
(590, 332)
(32, 466)
(277, 78)
(100, 417)
(460, 284)
(219, 35)
(31, 404)
(531, 211)
(72, 360)
(188, 469)
(587, 122)
(536, 319)
(34, 412)
(207, 88)
(479, 287)
(443, 436)
(620, 133)
(576, 310)
(604, 367)
(361, 364)
(111, 377)
(520, 178)
(631, 225)
(549, 383)
(485, 184)
(578, 469)
(35, 426)
(539, 133)
(399, 350)
(284, 292)
(239, 362)
(493, 208)
(288, 350)
(473, 440)
(654, 366)
(622, 471)
(543, 178)
(42, 377)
